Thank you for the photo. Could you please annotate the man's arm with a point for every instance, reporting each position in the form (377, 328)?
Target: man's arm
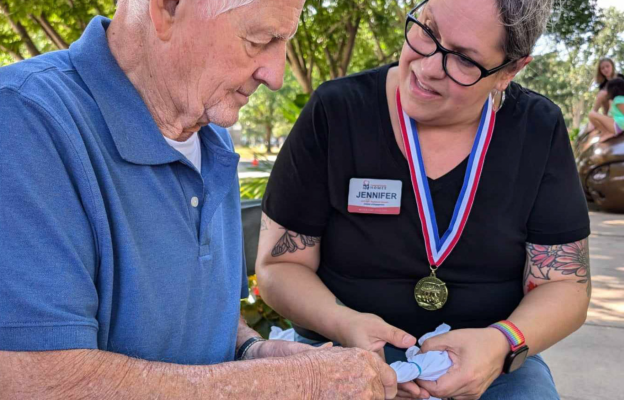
(94, 374)
(73, 374)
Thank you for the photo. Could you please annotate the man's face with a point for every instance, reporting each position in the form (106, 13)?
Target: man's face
(215, 64)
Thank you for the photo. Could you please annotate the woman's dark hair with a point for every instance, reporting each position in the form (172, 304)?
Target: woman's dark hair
(615, 87)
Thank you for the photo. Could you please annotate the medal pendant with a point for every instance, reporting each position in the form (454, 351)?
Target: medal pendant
(431, 293)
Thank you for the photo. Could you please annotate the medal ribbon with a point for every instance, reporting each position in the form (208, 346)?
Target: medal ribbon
(439, 248)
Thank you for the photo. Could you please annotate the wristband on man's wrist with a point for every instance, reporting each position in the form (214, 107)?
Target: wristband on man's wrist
(242, 351)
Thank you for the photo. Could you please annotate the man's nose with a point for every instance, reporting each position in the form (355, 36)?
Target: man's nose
(271, 69)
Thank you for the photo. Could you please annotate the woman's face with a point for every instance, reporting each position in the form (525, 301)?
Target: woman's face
(472, 28)
(606, 69)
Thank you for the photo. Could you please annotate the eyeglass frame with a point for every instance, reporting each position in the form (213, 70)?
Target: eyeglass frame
(441, 49)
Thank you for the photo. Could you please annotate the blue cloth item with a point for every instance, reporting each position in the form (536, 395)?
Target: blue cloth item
(532, 381)
(109, 238)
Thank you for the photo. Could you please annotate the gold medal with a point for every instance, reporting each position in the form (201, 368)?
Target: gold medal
(431, 293)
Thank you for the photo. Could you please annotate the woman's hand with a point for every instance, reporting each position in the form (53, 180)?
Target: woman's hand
(370, 332)
(478, 356)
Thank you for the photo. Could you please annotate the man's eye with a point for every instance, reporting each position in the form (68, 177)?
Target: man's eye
(257, 45)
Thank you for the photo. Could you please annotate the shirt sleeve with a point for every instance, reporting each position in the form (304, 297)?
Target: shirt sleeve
(48, 257)
(297, 192)
(560, 213)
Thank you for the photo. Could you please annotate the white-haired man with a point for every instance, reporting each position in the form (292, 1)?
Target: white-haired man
(121, 260)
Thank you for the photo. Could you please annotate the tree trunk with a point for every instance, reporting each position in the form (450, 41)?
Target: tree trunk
(578, 111)
(16, 55)
(269, 131)
(50, 32)
(20, 30)
(347, 51)
(299, 68)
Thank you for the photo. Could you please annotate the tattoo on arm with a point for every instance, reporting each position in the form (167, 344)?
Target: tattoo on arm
(263, 225)
(564, 259)
(290, 242)
(340, 303)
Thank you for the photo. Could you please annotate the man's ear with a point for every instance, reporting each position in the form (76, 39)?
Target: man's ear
(508, 75)
(162, 14)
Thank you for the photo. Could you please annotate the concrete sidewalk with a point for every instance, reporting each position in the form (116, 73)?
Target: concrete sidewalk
(590, 363)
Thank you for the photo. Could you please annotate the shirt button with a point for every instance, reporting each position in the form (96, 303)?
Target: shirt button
(194, 201)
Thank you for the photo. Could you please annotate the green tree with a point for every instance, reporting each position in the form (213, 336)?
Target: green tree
(266, 114)
(566, 74)
(31, 27)
(332, 33)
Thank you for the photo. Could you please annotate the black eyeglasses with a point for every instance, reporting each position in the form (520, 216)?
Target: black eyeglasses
(459, 67)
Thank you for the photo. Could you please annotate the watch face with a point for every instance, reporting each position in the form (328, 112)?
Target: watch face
(516, 359)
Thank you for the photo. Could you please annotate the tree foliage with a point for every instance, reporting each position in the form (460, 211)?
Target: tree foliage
(566, 73)
(339, 37)
(31, 27)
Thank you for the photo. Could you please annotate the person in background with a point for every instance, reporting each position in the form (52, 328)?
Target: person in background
(435, 190)
(604, 73)
(613, 124)
(121, 254)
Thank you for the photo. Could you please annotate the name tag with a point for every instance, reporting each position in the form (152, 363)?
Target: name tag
(374, 196)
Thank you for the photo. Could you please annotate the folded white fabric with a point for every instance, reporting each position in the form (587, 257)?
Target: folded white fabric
(278, 333)
(428, 366)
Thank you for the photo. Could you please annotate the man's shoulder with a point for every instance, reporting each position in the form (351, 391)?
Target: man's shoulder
(27, 75)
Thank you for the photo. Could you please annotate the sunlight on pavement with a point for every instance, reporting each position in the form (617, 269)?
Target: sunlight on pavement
(614, 222)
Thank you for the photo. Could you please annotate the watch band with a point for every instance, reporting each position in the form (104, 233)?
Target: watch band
(242, 351)
(512, 333)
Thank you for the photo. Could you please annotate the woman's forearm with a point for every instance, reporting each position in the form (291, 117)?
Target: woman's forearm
(550, 312)
(297, 293)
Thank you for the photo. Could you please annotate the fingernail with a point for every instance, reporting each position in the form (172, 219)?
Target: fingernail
(326, 345)
(408, 338)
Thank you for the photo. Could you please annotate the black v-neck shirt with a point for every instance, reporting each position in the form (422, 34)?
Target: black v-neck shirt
(529, 192)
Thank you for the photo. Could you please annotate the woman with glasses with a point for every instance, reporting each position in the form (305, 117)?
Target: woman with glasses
(435, 190)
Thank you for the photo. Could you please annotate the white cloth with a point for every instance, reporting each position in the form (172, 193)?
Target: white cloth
(280, 334)
(191, 149)
(428, 366)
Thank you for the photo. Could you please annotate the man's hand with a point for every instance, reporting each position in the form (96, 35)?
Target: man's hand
(340, 373)
(370, 332)
(477, 355)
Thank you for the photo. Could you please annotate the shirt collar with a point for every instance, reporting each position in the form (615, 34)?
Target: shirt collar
(135, 133)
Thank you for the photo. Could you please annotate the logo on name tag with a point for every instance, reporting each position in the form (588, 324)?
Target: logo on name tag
(374, 196)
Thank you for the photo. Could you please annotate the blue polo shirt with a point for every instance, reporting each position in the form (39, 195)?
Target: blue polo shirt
(109, 238)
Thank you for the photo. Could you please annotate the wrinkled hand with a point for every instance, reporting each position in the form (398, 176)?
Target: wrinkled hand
(370, 332)
(340, 373)
(478, 356)
(279, 348)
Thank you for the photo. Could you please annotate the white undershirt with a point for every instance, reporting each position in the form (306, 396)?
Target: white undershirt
(191, 149)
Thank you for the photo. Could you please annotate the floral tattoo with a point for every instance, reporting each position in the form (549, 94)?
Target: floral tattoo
(565, 259)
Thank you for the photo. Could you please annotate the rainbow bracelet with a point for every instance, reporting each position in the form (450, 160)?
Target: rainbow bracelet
(513, 334)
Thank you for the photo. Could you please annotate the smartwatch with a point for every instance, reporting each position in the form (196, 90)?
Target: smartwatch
(519, 350)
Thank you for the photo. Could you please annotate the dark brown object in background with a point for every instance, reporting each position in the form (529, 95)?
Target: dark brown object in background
(601, 169)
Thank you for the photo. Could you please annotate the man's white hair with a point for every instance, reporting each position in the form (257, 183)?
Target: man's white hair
(214, 8)
(207, 8)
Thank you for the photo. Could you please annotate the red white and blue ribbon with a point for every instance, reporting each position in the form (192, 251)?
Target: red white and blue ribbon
(439, 248)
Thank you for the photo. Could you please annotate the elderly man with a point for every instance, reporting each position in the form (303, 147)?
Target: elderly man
(121, 260)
